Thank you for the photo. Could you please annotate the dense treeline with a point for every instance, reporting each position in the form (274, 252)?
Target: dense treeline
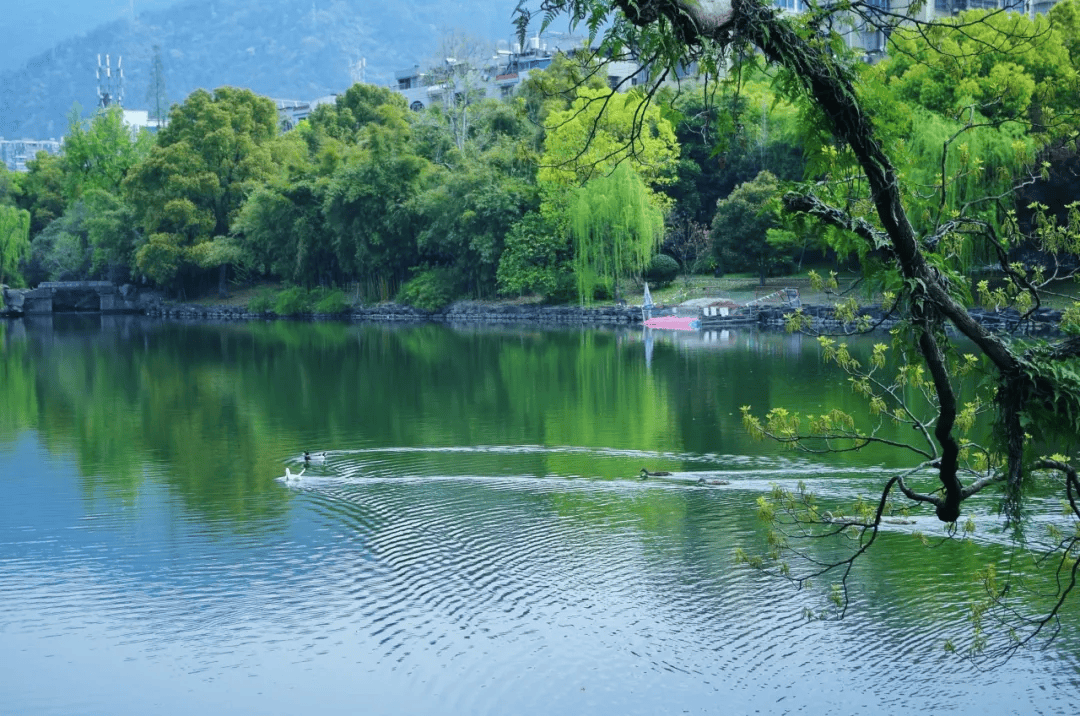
(558, 191)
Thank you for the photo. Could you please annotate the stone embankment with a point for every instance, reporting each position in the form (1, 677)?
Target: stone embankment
(460, 312)
(1044, 320)
(108, 298)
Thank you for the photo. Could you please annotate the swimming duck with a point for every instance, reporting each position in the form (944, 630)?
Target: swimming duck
(703, 481)
(660, 473)
(290, 476)
(318, 458)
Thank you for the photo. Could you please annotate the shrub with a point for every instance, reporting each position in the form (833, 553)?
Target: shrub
(662, 270)
(428, 290)
(292, 301)
(263, 302)
(331, 301)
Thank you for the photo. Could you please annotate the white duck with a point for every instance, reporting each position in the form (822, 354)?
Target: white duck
(290, 476)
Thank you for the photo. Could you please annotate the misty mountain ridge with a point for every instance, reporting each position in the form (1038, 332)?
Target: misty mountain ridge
(276, 48)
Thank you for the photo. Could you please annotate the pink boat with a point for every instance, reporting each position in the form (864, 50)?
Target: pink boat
(674, 323)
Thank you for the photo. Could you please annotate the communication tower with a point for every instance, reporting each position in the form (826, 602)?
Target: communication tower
(110, 81)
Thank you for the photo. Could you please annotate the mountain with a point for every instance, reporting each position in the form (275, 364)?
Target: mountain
(278, 48)
(33, 28)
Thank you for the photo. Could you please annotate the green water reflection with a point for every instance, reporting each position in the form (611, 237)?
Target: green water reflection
(231, 404)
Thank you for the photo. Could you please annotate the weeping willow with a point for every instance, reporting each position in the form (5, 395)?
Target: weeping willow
(966, 168)
(616, 227)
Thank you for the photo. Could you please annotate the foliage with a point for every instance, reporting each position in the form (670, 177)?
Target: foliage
(41, 190)
(8, 186)
(470, 203)
(428, 290)
(686, 240)
(1004, 65)
(555, 88)
(14, 241)
(536, 260)
(262, 302)
(369, 202)
(616, 228)
(293, 302)
(600, 130)
(62, 251)
(98, 154)
(741, 226)
(281, 227)
(112, 234)
(191, 186)
(360, 105)
(728, 132)
(331, 301)
(662, 270)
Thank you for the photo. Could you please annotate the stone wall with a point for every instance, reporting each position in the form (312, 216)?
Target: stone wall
(460, 312)
(823, 318)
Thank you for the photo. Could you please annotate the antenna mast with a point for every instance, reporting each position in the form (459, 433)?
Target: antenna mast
(110, 82)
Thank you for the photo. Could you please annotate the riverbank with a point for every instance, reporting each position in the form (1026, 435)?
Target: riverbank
(458, 312)
(822, 317)
(765, 314)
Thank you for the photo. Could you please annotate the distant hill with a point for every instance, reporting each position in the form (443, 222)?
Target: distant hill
(278, 48)
(30, 28)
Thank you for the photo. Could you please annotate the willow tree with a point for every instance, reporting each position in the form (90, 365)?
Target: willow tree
(616, 228)
(1031, 389)
(14, 240)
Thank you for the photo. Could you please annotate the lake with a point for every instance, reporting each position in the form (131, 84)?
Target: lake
(476, 540)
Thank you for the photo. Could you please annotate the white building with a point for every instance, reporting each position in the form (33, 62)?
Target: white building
(498, 76)
(293, 111)
(15, 153)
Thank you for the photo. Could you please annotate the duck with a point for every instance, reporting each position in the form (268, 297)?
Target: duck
(645, 472)
(290, 476)
(703, 481)
(318, 458)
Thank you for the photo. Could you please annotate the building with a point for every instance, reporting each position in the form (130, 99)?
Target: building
(874, 40)
(293, 111)
(139, 119)
(15, 153)
(496, 77)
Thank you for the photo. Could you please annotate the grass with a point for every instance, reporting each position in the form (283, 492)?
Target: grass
(740, 288)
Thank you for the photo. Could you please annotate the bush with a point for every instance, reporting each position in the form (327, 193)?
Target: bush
(662, 270)
(331, 301)
(428, 290)
(292, 302)
(261, 303)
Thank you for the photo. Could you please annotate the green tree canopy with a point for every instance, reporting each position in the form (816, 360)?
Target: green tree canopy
(41, 190)
(360, 105)
(726, 137)
(741, 226)
(1000, 65)
(616, 229)
(189, 189)
(602, 129)
(369, 202)
(14, 241)
(99, 153)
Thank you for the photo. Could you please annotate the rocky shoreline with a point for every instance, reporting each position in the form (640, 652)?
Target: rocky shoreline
(459, 312)
(822, 318)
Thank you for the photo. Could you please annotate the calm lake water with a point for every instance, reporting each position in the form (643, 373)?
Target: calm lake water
(476, 541)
